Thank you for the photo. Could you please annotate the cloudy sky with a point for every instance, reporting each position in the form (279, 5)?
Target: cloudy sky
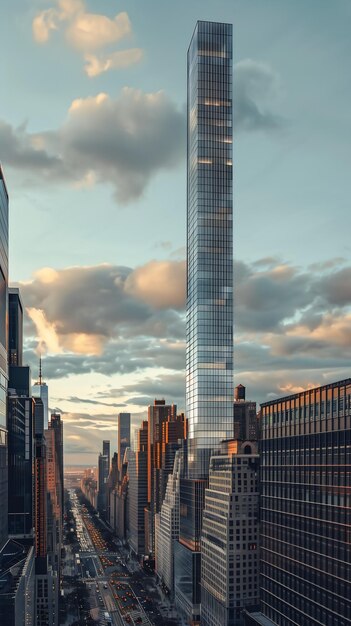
(92, 139)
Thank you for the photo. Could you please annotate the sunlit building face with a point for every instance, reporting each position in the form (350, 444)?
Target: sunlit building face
(209, 358)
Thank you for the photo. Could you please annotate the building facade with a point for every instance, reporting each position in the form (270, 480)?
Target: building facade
(123, 437)
(230, 535)
(41, 390)
(137, 491)
(306, 508)
(209, 310)
(167, 527)
(102, 484)
(15, 342)
(158, 413)
(20, 462)
(4, 236)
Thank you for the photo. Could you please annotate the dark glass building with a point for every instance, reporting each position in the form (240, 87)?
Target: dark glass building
(102, 484)
(306, 508)
(106, 451)
(20, 462)
(209, 310)
(15, 343)
(123, 437)
(188, 549)
(4, 233)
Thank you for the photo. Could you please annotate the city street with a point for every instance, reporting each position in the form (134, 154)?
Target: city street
(120, 592)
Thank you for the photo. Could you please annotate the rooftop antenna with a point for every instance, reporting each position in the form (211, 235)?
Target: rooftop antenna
(40, 372)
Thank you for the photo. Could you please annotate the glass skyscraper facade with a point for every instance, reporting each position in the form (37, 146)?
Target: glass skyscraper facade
(4, 233)
(306, 508)
(123, 437)
(15, 339)
(209, 352)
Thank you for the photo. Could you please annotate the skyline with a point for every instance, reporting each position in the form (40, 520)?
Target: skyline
(291, 312)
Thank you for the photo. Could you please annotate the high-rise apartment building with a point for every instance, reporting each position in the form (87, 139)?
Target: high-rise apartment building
(306, 508)
(209, 311)
(230, 528)
(4, 235)
(123, 437)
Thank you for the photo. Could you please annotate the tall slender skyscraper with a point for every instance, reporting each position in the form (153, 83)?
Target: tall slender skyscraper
(40, 390)
(123, 437)
(209, 340)
(106, 451)
(4, 234)
(209, 310)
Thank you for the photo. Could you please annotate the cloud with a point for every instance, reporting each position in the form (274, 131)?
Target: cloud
(115, 60)
(288, 321)
(159, 283)
(124, 141)
(256, 88)
(86, 33)
(22, 151)
(76, 400)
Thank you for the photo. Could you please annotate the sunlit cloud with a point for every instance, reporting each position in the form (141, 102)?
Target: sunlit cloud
(46, 332)
(115, 60)
(87, 32)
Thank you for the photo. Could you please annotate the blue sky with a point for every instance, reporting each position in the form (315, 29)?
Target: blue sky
(291, 202)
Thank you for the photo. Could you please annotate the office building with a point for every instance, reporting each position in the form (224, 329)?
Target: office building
(56, 425)
(166, 431)
(15, 342)
(20, 412)
(41, 390)
(88, 485)
(167, 527)
(4, 235)
(111, 484)
(102, 484)
(40, 504)
(123, 436)
(137, 491)
(106, 452)
(230, 529)
(187, 551)
(306, 508)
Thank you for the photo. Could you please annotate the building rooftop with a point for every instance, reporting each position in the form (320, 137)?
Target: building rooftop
(12, 561)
